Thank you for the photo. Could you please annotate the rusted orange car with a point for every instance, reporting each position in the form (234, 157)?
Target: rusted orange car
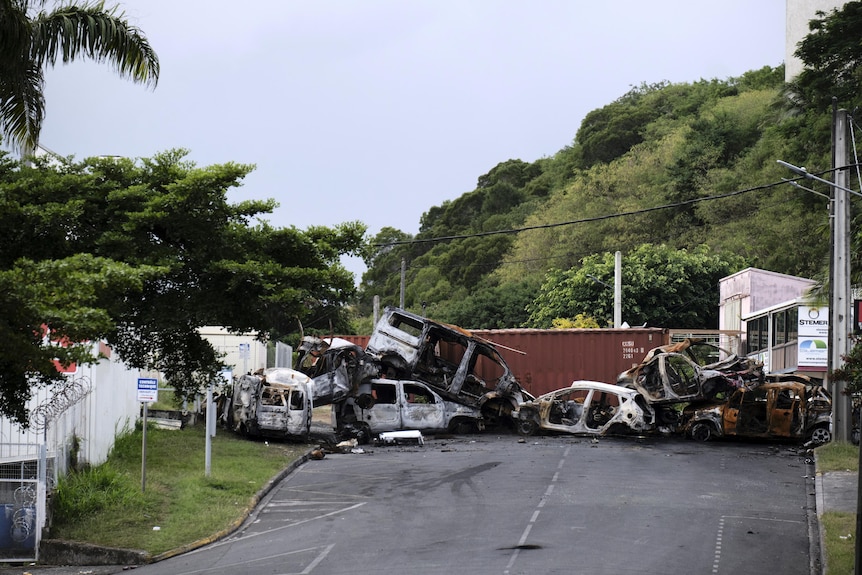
(794, 410)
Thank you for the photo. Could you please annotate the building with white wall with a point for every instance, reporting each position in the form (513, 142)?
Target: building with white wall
(764, 308)
(242, 352)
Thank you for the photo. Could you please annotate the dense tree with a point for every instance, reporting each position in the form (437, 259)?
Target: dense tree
(142, 254)
(832, 57)
(491, 306)
(662, 286)
(383, 256)
(32, 38)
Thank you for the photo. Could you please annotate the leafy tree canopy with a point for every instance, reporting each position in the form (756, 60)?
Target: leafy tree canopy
(142, 254)
(661, 286)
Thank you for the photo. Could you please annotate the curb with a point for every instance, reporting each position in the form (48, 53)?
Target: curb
(816, 544)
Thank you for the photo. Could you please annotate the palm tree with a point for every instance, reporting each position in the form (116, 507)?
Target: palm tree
(31, 38)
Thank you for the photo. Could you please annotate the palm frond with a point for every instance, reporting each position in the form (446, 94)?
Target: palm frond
(22, 105)
(89, 31)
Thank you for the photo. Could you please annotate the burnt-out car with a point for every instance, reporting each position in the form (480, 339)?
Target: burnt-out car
(586, 408)
(458, 366)
(405, 405)
(691, 370)
(793, 409)
(275, 403)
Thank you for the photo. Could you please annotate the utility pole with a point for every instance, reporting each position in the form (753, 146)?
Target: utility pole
(403, 280)
(618, 289)
(839, 307)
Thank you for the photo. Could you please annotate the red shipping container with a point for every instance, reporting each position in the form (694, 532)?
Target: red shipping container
(547, 359)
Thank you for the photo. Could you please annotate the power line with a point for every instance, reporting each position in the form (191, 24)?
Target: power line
(585, 220)
(608, 216)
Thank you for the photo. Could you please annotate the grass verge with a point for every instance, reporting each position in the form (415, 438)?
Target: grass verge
(838, 528)
(105, 505)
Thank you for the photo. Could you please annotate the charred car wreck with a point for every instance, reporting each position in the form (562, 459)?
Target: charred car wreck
(794, 409)
(705, 392)
(469, 383)
(274, 403)
(688, 371)
(587, 408)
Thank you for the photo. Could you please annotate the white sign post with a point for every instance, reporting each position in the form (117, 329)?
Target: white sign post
(244, 355)
(148, 390)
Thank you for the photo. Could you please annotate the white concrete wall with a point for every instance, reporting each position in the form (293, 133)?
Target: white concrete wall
(798, 13)
(229, 343)
(95, 417)
(751, 290)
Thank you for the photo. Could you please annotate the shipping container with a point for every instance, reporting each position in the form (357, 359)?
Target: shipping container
(547, 359)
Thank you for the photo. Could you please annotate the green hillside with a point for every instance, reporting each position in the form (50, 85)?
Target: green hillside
(687, 171)
(656, 146)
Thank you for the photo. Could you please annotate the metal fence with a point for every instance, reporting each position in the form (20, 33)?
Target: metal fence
(70, 424)
(24, 484)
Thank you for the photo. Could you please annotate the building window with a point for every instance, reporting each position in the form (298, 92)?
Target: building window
(758, 334)
(793, 324)
(779, 330)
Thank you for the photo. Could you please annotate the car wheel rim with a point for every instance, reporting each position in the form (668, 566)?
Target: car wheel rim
(701, 432)
(821, 435)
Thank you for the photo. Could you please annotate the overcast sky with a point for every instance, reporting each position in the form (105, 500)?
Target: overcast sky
(377, 110)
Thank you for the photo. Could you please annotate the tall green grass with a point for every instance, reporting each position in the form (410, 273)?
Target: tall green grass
(839, 528)
(105, 505)
(837, 456)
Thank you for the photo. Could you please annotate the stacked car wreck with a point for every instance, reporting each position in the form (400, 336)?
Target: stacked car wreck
(417, 374)
(704, 392)
(413, 374)
(691, 388)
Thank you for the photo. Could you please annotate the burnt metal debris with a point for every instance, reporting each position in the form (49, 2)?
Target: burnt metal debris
(413, 374)
(421, 375)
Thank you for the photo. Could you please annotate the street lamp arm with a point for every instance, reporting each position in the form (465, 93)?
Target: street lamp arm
(795, 169)
(806, 174)
(796, 184)
(598, 281)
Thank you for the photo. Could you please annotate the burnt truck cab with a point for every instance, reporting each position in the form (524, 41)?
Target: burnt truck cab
(789, 409)
(275, 403)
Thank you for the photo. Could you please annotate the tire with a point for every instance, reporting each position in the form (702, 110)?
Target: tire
(364, 435)
(462, 427)
(701, 431)
(820, 436)
(527, 427)
(669, 416)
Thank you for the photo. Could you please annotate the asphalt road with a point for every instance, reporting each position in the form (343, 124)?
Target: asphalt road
(491, 504)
